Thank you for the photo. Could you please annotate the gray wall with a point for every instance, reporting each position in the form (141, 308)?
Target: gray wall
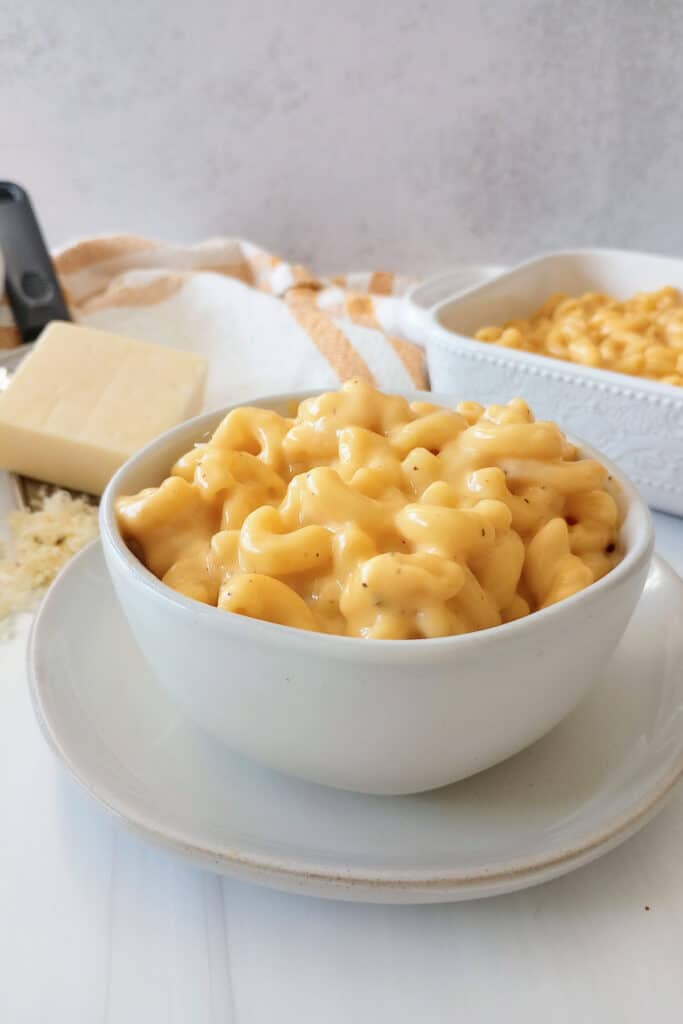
(406, 135)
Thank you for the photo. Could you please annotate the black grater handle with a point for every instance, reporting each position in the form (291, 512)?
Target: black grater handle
(32, 287)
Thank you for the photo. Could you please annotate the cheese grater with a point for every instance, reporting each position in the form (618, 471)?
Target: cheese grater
(33, 292)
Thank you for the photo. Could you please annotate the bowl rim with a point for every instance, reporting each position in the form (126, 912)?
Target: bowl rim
(638, 554)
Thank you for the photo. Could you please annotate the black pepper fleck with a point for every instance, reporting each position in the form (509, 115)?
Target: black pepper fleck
(610, 548)
(364, 584)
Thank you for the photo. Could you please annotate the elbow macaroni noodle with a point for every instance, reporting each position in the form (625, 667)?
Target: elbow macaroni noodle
(371, 516)
(641, 336)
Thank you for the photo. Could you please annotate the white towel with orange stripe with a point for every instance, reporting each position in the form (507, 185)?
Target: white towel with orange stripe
(265, 325)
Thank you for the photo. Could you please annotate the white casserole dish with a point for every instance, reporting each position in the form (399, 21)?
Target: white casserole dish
(638, 423)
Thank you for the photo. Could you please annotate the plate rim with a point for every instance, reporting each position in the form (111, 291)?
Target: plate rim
(272, 870)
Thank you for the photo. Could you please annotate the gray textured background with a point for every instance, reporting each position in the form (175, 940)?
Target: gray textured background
(407, 135)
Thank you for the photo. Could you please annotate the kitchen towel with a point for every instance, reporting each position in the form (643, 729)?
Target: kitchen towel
(265, 325)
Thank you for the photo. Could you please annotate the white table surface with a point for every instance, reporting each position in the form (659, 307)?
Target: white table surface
(96, 926)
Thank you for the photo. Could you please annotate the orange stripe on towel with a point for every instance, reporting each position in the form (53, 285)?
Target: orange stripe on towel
(326, 336)
(361, 309)
(9, 337)
(381, 283)
(242, 271)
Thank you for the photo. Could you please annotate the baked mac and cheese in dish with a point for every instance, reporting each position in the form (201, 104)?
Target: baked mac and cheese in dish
(641, 336)
(368, 515)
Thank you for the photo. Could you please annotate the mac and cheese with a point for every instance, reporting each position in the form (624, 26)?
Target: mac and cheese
(368, 515)
(641, 336)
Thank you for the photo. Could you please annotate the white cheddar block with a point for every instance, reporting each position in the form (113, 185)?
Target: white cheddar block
(85, 400)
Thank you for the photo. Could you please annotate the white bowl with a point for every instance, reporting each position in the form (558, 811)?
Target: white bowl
(636, 422)
(376, 716)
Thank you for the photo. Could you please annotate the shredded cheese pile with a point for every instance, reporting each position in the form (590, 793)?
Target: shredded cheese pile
(43, 539)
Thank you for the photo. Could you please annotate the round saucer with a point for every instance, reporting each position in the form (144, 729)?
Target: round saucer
(574, 795)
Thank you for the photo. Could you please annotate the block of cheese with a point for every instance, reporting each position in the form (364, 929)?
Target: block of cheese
(85, 400)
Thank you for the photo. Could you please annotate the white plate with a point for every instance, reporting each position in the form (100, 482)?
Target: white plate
(574, 795)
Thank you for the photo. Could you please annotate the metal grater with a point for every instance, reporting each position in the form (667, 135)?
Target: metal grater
(34, 295)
